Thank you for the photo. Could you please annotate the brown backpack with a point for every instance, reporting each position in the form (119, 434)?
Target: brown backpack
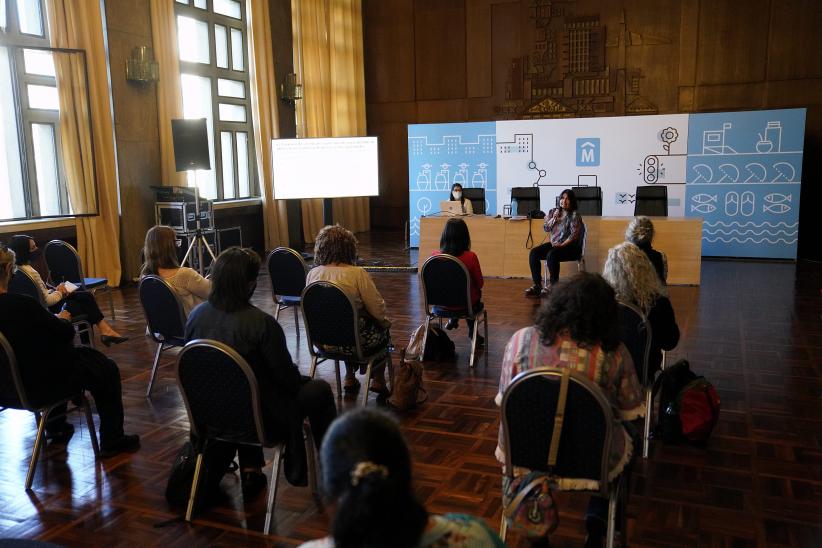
(406, 390)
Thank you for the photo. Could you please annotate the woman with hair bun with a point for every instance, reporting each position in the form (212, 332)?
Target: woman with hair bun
(640, 232)
(367, 475)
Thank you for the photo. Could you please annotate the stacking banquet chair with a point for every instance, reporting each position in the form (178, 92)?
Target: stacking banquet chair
(64, 266)
(635, 334)
(287, 270)
(578, 459)
(222, 399)
(165, 318)
(23, 284)
(331, 321)
(580, 260)
(15, 395)
(446, 288)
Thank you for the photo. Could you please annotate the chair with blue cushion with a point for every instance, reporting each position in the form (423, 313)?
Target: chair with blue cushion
(446, 289)
(287, 270)
(64, 266)
(165, 317)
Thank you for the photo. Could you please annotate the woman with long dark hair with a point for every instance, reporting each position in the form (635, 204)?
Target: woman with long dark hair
(457, 196)
(456, 240)
(564, 227)
(577, 328)
(367, 475)
(77, 303)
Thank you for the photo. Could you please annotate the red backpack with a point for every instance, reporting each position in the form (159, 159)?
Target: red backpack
(698, 409)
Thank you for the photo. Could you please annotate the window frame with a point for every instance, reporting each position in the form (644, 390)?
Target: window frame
(214, 74)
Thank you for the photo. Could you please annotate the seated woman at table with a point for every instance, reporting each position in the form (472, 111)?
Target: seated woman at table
(564, 227)
(335, 257)
(77, 303)
(160, 252)
(640, 232)
(636, 282)
(576, 328)
(457, 196)
(456, 241)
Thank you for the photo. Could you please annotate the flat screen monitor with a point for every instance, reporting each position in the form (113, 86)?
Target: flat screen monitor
(328, 167)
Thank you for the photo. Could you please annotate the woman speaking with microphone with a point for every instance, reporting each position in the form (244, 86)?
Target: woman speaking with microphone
(564, 227)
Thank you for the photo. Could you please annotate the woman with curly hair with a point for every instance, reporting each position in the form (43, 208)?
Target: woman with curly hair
(577, 329)
(636, 281)
(640, 232)
(335, 257)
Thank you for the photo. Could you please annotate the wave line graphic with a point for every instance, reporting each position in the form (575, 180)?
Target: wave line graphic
(750, 223)
(752, 232)
(746, 240)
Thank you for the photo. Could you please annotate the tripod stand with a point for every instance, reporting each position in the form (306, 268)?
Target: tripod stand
(199, 240)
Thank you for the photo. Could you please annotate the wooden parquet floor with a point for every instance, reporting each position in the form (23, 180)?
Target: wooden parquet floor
(753, 328)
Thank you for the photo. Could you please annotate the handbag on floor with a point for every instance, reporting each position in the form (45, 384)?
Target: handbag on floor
(438, 347)
(406, 390)
(218, 461)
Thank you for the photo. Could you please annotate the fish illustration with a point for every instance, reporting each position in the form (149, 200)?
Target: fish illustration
(776, 208)
(747, 203)
(778, 198)
(704, 198)
(703, 208)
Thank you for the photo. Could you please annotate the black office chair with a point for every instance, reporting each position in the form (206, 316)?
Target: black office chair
(222, 399)
(524, 200)
(64, 266)
(15, 395)
(331, 319)
(589, 200)
(477, 197)
(529, 407)
(446, 289)
(165, 317)
(635, 333)
(651, 201)
(287, 270)
(22, 283)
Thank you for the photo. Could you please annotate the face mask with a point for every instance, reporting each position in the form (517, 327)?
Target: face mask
(457, 194)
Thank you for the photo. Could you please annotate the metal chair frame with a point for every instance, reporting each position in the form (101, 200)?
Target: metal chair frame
(319, 356)
(164, 341)
(281, 305)
(44, 413)
(481, 315)
(580, 261)
(647, 383)
(81, 325)
(82, 281)
(613, 490)
(262, 439)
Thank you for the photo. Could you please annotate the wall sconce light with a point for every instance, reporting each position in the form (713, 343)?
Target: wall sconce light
(290, 90)
(141, 66)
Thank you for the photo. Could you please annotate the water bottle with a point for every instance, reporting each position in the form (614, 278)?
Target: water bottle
(514, 207)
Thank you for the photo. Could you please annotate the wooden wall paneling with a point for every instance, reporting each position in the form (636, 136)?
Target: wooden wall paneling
(795, 33)
(439, 49)
(794, 93)
(389, 210)
(441, 111)
(730, 97)
(688, 41)
(478, 48)
(388, 40)
(732, 45)
(506, 45)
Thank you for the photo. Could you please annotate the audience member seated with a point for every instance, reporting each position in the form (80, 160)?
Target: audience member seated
(640, 232)
(229, 317)
(52, 367)
(456, 196)
(367, 474)
(577, 328)
(564, 227)
(636, 282)
(456, 241)
(335, 254)
(77, 303)
(161, 260)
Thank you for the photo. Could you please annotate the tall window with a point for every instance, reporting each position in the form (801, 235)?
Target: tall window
(32, 185)
(213, 47)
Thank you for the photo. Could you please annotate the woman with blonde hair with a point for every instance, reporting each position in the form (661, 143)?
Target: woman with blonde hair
(335, 257)
(160, 252)
(636, 281)
(640, 232)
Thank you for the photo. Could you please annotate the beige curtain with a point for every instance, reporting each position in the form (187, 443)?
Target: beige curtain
(264, 111)
(328, 57)
(79, 25)
(169, 97)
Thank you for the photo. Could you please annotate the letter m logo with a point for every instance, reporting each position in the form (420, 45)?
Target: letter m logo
(588, 151)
